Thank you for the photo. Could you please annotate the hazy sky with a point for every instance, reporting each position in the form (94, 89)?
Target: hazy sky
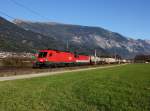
(128, 17)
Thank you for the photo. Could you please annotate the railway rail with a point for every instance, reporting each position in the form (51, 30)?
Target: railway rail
(9, 71)
(56, 72)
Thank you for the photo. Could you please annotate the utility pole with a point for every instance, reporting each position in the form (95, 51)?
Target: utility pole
(95, 56)
(115, 53)
(133, 54)
(67, 46)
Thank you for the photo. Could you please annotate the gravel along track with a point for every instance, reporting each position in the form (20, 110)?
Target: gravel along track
(26, 76)
(10, 71)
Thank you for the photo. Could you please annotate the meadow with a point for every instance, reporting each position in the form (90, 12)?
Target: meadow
(123, 88)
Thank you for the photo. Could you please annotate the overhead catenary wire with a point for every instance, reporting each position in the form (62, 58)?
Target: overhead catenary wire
(28, 9)
(5, 14)
(13, 18)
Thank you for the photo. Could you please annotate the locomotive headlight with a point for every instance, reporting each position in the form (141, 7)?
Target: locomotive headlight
(41, 60)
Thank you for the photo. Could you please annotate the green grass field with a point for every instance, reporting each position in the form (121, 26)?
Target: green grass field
(124, 88)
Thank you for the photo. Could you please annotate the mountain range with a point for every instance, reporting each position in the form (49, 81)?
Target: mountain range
(21, 35)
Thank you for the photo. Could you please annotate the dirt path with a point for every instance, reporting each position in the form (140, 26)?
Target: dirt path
(52, 73)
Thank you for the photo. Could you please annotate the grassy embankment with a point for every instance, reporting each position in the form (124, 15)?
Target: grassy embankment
(124, 88)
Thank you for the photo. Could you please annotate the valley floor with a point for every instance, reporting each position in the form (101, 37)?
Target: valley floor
(123, 88)
(54, 71)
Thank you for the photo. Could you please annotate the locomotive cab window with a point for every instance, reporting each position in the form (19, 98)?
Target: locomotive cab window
(50, 54)
(42, 54)
(76, 56)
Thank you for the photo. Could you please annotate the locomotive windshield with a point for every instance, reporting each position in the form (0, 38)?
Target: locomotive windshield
(42, 54)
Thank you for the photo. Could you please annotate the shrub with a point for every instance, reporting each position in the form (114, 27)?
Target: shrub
(16, 61)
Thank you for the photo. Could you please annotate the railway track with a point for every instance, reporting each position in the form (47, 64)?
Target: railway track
(10, 71)
(27, 76)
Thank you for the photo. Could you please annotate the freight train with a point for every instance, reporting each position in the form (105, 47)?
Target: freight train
(55, 58)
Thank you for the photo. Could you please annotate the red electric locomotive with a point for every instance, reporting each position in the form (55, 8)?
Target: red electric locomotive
(53, 58)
